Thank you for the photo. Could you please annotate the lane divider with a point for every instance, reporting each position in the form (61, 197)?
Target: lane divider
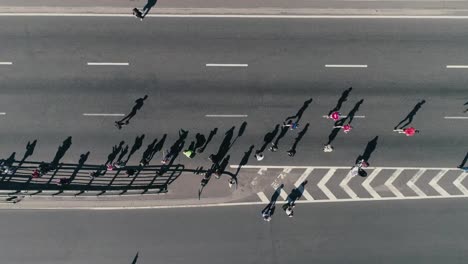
(226, 65)
(102, 114)
(108, 64)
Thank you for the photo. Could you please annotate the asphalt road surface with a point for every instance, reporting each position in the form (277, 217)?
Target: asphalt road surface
(377, 232)
(49, 86)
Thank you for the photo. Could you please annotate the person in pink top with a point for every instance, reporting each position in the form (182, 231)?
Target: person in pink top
(346, 128)
(335, 116)
(409, 132)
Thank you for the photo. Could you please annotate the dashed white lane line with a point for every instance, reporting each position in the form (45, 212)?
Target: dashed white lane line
(345, 66)
(226, 65)
(358, 116)
(102, 114)
(226, 115)
(2, 113)
(263, 197)
(6, 63)
(455, 117)
(108, 64)
(457, 66)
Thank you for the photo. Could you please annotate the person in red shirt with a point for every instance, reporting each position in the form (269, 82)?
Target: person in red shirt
(409, 132)
(346, 128)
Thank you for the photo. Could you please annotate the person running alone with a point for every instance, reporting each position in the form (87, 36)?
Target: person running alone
(409, 132)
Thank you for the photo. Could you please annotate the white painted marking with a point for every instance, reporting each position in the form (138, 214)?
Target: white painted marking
(337, 167)
(346, 188)
(455, 117)
(240, 16)
(2, 113)
(389, 183)
(108, 63)
(226, 65)
(324, 188)
(412, 183)
(345, 66)
(436, 186)
(263, 197)
(6, 63)
(226, 115)
(301, 179)
(261, 170)
(458, 183)
(102, 114)
(283, 194)
(368, 180)
(457, 66)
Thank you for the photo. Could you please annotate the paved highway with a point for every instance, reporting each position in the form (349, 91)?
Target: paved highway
(49, 86)
(390, 232)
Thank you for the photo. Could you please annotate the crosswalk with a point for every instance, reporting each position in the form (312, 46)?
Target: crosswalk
(334, 184)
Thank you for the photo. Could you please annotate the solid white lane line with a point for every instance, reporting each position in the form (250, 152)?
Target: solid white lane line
(226, 65)
(324, 181)
(346, 188)
(457, 66)
(6, 63)
(389, 183)
(412, 183)
(108, 63)
(263, 197)
(102, 114)
(368, 180)
(436, 186)
(241, 16)
(345, 66)
(226, 115)
(455, 117)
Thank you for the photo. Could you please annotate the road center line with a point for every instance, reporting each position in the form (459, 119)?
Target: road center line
(226, 115)
(6, 63)
(345, 66)
(102, 114)
(455, 117)
(108, 64)
(225, 65)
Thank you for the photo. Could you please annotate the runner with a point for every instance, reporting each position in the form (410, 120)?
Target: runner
(346, 128)
(409, 132)
(335, 116)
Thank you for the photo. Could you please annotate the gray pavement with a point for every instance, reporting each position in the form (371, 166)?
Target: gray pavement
(403, 232)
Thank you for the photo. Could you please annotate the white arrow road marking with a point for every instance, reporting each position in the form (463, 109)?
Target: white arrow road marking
(389, 183)
(344, 185)
(436, 186)
(301, 179)
(261, 170)
(458, 182)
(324, 188)
(412, 183)
(263, 197)
(368, 180)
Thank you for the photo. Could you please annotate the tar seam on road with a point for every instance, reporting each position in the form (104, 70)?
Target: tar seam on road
(345, 66)
(226, 115)
(108, 63)
(102, 114)
(226, 65)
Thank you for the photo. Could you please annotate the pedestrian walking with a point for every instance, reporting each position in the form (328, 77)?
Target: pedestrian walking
(335, 116)
(346, 128)
(409, 132)
(328, 148)
(291, 125)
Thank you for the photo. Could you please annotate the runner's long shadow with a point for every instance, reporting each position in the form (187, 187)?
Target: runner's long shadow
(271, 206)
(343, 98)
(61, 152)
(268, 138)
(353, 112)
(465, 159)
(300, 112)
(370, 148)
(135, 259)
(409, 118)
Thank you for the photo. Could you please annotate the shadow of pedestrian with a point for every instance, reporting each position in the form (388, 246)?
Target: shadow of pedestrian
(146, 157)
(210, 137)
(239, 133)
(466, 110)
(61, 152)
(299, 113)
(343, 98)
(353, 112)
(122, 154)
(300, 135)
(149, 5)
(224, 147)
(81, 162)
(296, 193)
(244, 160)
(272, 204)
(135, 259)
(463, 163)
(29, 150)
(136, 146)
(126, 120)
(115, 151)
(371, 145)
(268, 138)
(409, 118)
